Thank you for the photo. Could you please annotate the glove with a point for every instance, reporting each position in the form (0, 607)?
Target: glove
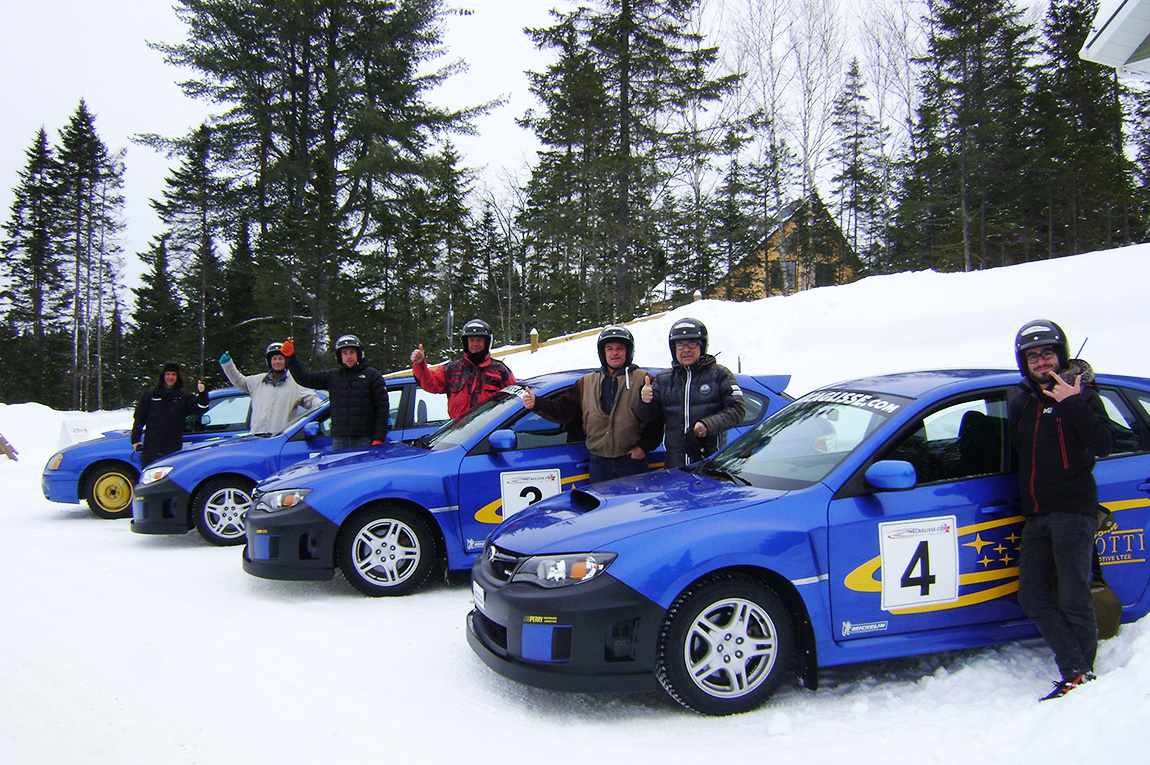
(225, 358)
(376, 443)
(288, 347)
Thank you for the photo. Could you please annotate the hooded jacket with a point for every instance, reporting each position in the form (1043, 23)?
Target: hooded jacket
(160, 415)
(613, 429)
(466, 383)
(703, 392)
(357, 396)
(1058, 443)
(275, 397)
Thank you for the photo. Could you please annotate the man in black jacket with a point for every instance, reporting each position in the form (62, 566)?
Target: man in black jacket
(697, 398)
(357, 394)
(158, 422)
(1059, 427)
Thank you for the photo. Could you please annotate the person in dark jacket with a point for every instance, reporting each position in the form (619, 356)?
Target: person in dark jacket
(607, 401)
(697, 398)
(1059, 427)
(158, 422)
(357, 394)
(467, 381)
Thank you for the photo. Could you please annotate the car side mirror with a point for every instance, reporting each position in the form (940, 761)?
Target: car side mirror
(311, 430)
(894, 475)
(502, 440)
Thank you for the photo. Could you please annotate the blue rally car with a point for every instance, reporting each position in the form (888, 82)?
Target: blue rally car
(871, 519)
(103, 471)
(389, 515)
(208, 487)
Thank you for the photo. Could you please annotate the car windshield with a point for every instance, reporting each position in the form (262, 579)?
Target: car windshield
(480, 419)
(303, 415)
(801, 444)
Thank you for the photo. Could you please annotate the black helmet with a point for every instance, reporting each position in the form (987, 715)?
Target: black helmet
(1037, 333)
(348, 341)
(688, 329)
(616, 334)
(477, 328)
(272, 350)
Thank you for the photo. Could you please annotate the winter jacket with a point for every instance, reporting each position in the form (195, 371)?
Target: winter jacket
(275, 397)
(703, 392)
(357, 398)
(160, 416)
(613, 429)
(466, 383)
(1057, 444)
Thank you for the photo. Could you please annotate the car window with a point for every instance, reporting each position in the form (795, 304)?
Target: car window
(224, 415)
(534, 432)
(1123, 423)
(756, 405)
(958, 440)
(430, 408)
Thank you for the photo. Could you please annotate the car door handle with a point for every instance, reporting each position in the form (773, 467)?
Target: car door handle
(1144, 486)
(996, 508)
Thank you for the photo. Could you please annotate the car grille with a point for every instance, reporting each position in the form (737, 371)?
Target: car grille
(499, 564)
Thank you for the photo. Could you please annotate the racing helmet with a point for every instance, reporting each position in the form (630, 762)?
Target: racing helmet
(273, 349)
(477, 328)
(616, 334)
(1037, 333)
(348, 341)
(688, 329)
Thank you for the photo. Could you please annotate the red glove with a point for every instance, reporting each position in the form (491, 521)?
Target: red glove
(288, 347)
(376, 443)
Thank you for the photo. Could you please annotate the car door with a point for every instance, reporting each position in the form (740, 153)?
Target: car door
(545, 458)
(1124, 487)
(944, 553)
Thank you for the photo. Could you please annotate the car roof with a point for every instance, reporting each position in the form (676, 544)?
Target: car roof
(920, 383)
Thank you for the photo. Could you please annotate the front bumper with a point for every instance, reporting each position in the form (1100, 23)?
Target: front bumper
(60, 485)
(596, 636)
(296, 544)
(161, 508)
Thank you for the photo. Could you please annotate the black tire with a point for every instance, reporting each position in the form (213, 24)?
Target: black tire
(109, 489)
(386, 550)
(725, 645)
(220, 510)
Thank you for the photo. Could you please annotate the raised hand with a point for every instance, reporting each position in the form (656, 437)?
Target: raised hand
(647, 393)
(417, 356)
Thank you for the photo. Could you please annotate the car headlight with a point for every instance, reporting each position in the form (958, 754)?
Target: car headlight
(274, 501)
(562, 570)
(153, 474)
(54, 463)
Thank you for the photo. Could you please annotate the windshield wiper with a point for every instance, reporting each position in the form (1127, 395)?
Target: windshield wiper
(711, 470)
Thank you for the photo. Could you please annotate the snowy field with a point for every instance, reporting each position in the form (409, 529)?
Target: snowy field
(123, 648)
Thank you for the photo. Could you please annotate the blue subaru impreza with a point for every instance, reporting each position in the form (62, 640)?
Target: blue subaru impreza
(872, 519)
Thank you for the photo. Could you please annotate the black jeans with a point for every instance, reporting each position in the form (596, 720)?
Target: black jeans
(1054, 586)
(606, 468)
(350, 442)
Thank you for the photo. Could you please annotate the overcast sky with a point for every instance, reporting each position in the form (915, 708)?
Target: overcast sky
(55, 52)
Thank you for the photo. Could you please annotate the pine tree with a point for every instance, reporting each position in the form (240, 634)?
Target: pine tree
(158, 317)
(856, 182)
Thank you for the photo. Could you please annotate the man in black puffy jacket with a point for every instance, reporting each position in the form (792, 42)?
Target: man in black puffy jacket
(357, 394)
(697, 398)
(1059, 427)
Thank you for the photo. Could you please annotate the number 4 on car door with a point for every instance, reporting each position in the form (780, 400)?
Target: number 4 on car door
(919, 562)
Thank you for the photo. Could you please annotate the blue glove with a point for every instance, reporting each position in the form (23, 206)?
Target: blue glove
(225, 358)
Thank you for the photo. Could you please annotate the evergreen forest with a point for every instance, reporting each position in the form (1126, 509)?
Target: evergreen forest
(325, 195)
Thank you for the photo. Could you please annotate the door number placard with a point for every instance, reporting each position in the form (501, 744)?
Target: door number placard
(919, 562)
(524, 488)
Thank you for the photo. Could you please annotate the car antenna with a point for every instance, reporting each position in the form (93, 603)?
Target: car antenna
(1079, 354)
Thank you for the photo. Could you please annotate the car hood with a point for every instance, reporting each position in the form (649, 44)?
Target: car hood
(337, 463)
(594, 517)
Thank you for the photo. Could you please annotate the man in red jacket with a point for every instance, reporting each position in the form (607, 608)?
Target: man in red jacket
(467, 381)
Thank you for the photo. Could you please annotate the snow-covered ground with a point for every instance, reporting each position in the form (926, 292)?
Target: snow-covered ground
(123, 648)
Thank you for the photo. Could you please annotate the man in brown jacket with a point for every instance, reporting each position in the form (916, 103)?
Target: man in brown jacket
(607, 400)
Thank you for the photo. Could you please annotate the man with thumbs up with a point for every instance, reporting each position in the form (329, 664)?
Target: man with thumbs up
(606, 400)
(468, 381)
